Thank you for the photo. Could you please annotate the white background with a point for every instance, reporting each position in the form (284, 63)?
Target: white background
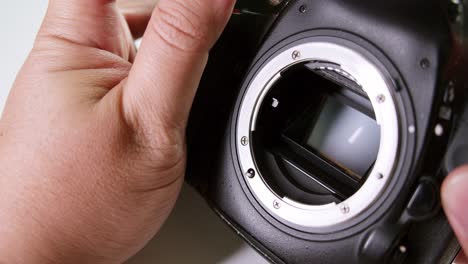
(193, 233)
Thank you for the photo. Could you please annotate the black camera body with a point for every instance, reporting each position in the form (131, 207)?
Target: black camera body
(323, 129)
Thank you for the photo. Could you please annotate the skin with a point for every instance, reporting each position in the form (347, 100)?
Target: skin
(92, 139)
(454, 200)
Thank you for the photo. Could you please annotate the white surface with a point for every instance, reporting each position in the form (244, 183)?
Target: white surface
(19, 21)
(193, 233)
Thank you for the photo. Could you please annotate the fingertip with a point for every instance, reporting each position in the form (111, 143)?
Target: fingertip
(455, 184)
(225, 8)
(461, 258)
(454, 194)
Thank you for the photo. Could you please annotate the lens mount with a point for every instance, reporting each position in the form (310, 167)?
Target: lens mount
(350, 66)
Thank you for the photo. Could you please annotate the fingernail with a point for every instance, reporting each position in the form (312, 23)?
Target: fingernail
(455, 199)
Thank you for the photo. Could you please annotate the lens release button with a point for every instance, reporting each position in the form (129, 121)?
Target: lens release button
(424, 200)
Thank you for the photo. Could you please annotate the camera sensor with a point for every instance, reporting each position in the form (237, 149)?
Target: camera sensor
(316, 136)
(345, 136)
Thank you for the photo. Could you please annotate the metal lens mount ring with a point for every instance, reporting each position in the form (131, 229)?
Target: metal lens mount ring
(377, 86)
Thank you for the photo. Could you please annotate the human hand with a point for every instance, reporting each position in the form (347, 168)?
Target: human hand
(92, 140)
(454, 200)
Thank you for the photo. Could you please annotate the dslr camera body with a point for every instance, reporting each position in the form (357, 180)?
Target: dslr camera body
(323, 129)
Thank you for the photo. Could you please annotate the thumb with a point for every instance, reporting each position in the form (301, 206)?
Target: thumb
(454, 200)
(167, 70)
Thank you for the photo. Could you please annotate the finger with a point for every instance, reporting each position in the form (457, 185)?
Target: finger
(137, 13)
(90, 23)
(174, 50)
(461, 259)
(454, 200)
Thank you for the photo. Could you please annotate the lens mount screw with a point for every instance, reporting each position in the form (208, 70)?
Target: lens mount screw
(381, 98)
(379, 176)
(344, 208)
(276, 204)
(425, 63)
(303, 9)
(244, 141)
(296, 55)
(250, 173)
